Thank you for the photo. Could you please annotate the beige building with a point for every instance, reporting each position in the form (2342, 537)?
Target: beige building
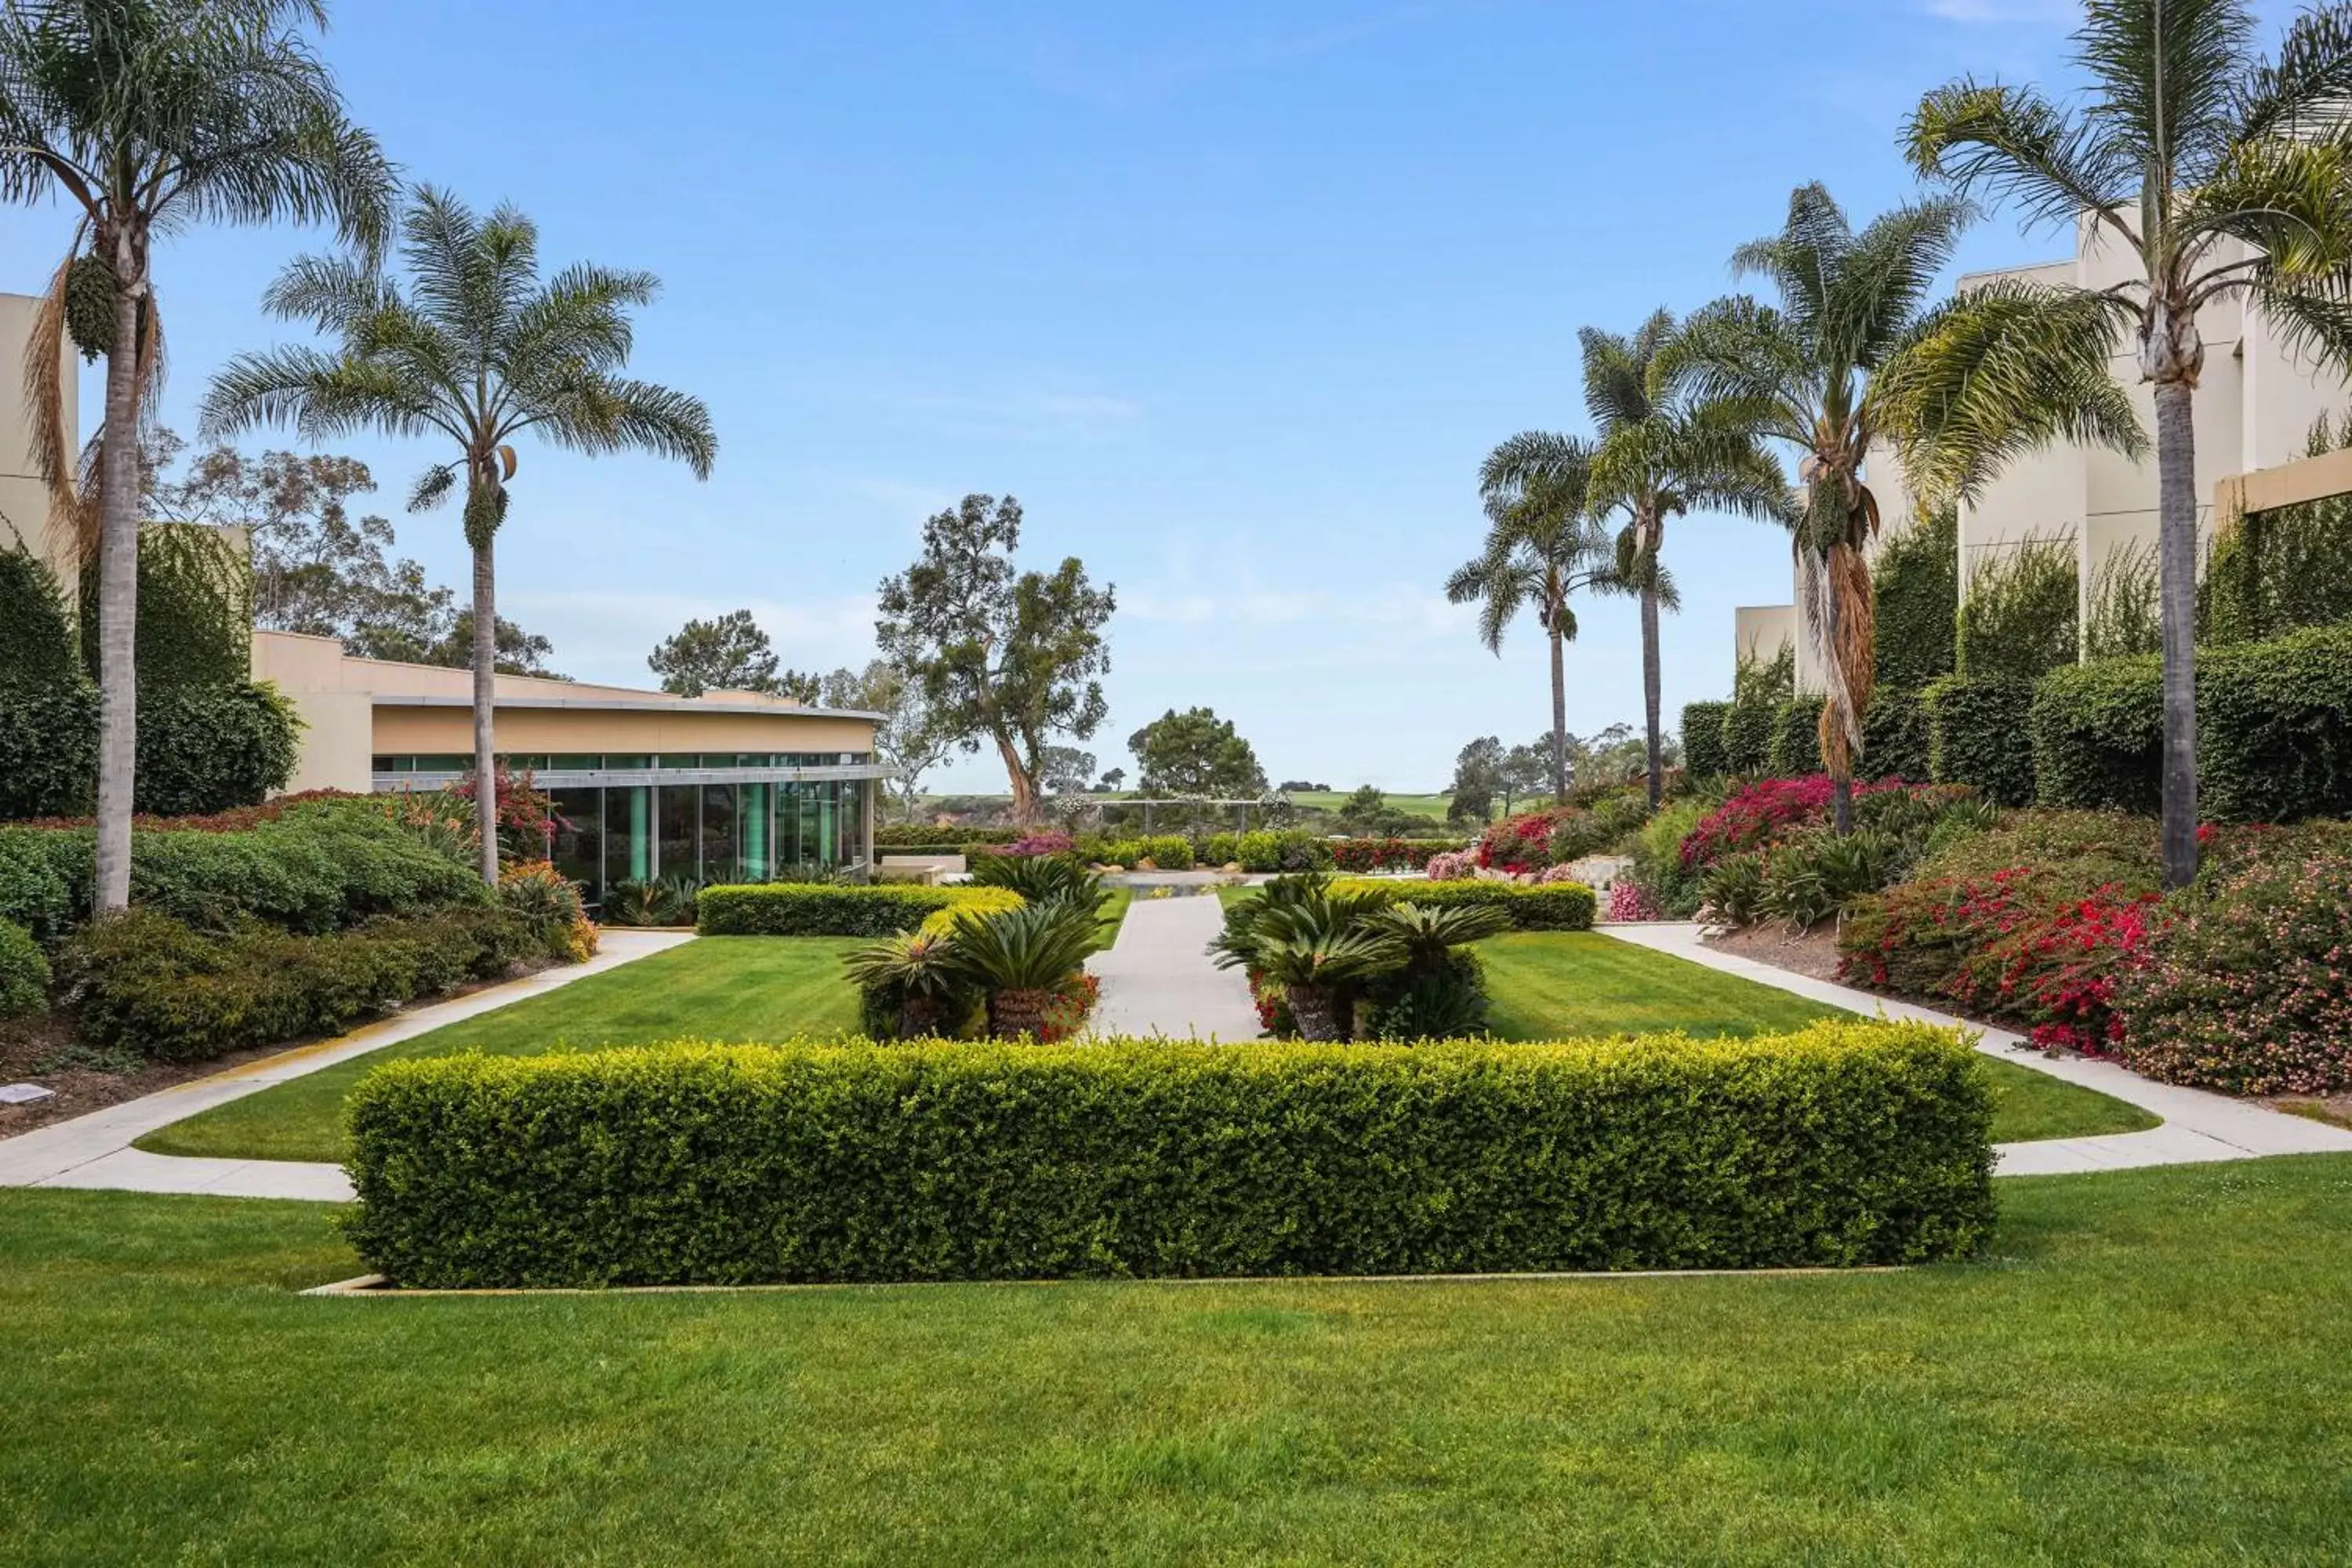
(2255, 407)
(24, 497)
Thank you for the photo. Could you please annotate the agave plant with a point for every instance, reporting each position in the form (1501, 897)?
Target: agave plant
(1022, 958)
(918, 971)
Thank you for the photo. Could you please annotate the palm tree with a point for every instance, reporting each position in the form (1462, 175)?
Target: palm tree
(480, 350)
(148, 118)
(1542, 547)
(2223, 176)
(1664, 449)
(1809, 369)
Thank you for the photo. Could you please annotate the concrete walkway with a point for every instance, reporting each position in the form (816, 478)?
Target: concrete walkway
(2198, 1126)
(94, 1150)
(1157, 979)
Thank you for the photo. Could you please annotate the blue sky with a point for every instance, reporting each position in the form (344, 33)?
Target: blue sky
(1233, 297)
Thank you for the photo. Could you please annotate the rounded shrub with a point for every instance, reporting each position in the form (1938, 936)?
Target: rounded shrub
(23, 972)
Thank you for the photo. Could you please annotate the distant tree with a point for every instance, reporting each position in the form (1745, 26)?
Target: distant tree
(1112, 779)
(1001, 659)
(1478, 770)
(906, 739)
(435, 631)
(802, 685)
(1301, 787)
(1195, 753)
(1065, 770)
(1527, 770)
(726, 653)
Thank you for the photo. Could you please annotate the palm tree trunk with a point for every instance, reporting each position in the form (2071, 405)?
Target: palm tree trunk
(1831, 736)
(1650, 690)
(485, 687)
(118, 605)
(1558, 718)
(2176, 510)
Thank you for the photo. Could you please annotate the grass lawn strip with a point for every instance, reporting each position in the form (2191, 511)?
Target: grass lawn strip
(715, 988)
(2151, 1366)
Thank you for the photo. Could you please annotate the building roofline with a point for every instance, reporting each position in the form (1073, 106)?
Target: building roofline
(626, 704)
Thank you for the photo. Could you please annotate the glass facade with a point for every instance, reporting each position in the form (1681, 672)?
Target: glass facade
(712, 832)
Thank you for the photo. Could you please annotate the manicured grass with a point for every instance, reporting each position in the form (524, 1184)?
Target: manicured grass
(1430, 806)
(715, 988)
(1115, 910)
(2150, 1367)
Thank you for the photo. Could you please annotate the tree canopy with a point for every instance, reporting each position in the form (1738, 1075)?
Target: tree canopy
(1001, 657)
(726, 652)
(1195, 753)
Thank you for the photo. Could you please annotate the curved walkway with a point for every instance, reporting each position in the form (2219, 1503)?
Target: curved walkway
(1157, 979)
(94, 1150)
(2198, 1126)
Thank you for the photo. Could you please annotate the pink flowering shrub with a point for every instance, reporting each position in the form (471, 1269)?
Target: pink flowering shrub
(1630, 901)
(1453, 864)
(1763, 813)
(2249, 990)
(1040, 844)
(1557, 874)
(1520, 844)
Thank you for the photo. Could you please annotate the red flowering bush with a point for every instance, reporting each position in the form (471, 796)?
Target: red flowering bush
(1071, 1007)
(2016, 946)
(1520, 844)
(2248, 989)
(1040, 844)
(527, 819)
(1630, 901)
(1388, 854)
(1753, 815)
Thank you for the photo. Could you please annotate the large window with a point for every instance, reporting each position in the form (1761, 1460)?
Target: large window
(579, 840)
(758, 806)
(680, 825)
(628, 834)
(720, 860)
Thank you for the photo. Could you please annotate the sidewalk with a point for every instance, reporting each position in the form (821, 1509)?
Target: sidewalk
(1157, 979)
(2198, 1126)
(94, 1150)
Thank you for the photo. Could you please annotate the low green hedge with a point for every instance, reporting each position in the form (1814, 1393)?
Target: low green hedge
(1747, 738)
(144, 982)
(823, 908)
(1532, 906)
(1796, 747)
(1705, 756)
(1845, 1143)
(892, 835)
(45, 879)
(23, 972)
(1978, 735)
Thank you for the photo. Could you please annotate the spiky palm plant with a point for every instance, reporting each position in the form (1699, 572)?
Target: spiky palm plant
(479, 350)
(151, 116)
(1808, 368)
(1022, 958)
(2223, 176)
(1541, 548)
(918, 969)
(1663, 451)
(1311, 942)
(1427, 933)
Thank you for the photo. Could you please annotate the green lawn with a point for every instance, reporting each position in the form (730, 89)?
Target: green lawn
(1430, 806)
(2150, 1367)
(717, 988)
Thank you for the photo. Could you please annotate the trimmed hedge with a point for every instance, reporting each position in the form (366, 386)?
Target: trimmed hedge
(145, 983)
(1704, 756)
(1978, 735)
(2098, 737)
(1895, 736)
(23, 972)
(201, 748)
(1747, 738)
(1796, 747)
(45, 879)
(892, 835)
(824, 909)
(1845, 1143)
(1532, 906)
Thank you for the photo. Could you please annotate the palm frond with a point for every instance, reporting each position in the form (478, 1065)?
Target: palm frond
(2011, 144)
(2167, 78)
(2301, 91)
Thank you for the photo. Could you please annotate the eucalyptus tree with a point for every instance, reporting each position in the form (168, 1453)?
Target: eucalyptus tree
(477, 351)
(1541, 548)
(147, 119)
(2220, 176)
(1666, 447)
(1808, 368)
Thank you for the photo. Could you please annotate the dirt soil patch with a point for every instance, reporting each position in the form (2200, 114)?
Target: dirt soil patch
(2335, 1109)
(1813, 954)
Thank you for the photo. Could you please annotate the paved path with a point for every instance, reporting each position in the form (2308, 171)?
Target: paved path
(94, 1150)
(1157, 979)
(2198, 1126)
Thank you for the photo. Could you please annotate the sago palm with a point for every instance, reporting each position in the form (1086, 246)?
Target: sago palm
(1808, 369)
(479, 350)
(149, 117)
(1666, 448)
(2223, 176)
(1542, 547)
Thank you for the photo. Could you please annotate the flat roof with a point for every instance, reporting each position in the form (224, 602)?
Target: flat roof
(646, 703)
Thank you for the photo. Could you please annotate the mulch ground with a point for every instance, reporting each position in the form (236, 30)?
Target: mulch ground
(1813, 954)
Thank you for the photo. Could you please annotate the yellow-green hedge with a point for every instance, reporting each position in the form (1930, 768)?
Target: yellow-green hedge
(1847, 1142)
(824, 909)
(1532, 906)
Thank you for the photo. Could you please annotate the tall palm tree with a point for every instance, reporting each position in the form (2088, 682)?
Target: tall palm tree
(149, 118)
(480, 350)
(1666, 449)
(1542, 547)
(2223, 176)
(1809, 370)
